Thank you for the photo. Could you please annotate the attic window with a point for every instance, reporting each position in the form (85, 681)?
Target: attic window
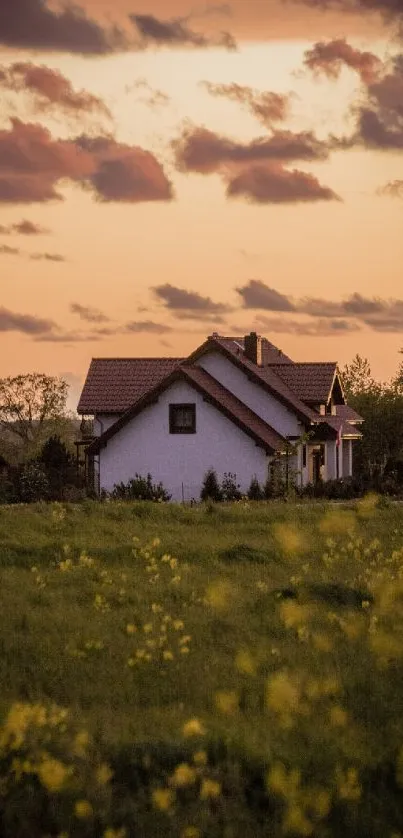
(182, 418)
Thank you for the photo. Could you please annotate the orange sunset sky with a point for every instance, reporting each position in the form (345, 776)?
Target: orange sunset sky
(170, 168)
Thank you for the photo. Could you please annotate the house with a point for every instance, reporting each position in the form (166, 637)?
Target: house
(236, 404)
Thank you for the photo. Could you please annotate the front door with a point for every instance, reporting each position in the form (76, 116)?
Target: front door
(317, 463)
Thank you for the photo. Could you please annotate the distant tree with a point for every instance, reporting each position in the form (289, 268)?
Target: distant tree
(59, 466)
(230, 488)
(210, 488)
(381, 406)
(31, 406)
(255, 491)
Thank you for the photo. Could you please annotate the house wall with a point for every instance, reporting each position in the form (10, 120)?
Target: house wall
(259, 400)
(103, 421)
(145, 445)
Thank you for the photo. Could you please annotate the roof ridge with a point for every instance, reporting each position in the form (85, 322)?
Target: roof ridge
(139, 358)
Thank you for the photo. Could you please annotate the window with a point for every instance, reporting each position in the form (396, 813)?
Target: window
(182, 418)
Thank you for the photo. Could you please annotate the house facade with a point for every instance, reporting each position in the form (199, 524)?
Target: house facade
(235, 404)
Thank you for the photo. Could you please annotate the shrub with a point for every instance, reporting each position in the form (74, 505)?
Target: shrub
(210, 488)
(255, 491)
(34, 483)
(140, 488)
(230, 489)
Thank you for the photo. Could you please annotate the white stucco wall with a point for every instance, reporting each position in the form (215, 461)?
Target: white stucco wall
(145, 445)
(259, 400)
(103, 421)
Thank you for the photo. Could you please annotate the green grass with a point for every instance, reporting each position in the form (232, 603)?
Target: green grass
(293, 624)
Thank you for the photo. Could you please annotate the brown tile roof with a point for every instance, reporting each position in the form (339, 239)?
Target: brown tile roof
(114, 384)
(213, 392)
(311, 382)
(337, 424)
(265, 375)
(270, 353)
(348, 413)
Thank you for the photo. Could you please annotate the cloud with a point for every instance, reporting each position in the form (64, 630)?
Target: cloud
(89, 314)
(374, 312)
(276, 185)
(139, 326)
(33, 24)
(267, 107)
(5, 250)
(51, 89)
(28, 228)
(255, 294)
(33, 164)
(328, 57)
(176, 32)
(151, 97)
(318, 328)
(380, 117)
(11, 321)
(178, 299)
(124, 173)
(47, 257)
(393, 189)
(203, 151)
(390, 10)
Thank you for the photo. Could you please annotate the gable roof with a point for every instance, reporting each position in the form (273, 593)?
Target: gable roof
(213, 392)
(114, 384)
(348, 414)
(311, 382)
(265, 376)
(271, 354)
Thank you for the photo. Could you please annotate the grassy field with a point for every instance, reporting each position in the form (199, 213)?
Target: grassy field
(206, 672)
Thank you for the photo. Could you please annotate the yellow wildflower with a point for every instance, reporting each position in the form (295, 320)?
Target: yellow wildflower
(147, 628)
(80, 743)
(178, 625)
(244, 662)
(115, 833)
(193, 728)
(53, 774)
(209, 789)
(163, 799)
(130, 628)
(295, 821)
(184, 650)
(103, 774)
(227, 701)
(167, 655)
(338, 716)
(83, 809)
(288, 537)
(348, 785)
(184, 775)
(191, 832)
(282, 693)
(200, 758)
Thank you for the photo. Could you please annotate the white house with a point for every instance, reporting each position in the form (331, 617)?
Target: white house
(235, 404)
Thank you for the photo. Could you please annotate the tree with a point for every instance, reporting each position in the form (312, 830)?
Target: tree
(357, 377)
(31, 405)
(381, 406)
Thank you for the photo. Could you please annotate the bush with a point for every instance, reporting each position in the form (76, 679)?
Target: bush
(210, 488)
(140, 488)
(255, 491)
(34, 483)
(230, 489)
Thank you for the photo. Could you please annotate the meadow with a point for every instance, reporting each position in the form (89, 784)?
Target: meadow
(220, 671)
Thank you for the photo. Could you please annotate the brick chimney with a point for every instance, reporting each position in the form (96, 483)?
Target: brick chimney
(253, 348)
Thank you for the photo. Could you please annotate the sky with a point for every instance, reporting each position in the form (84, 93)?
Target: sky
(170, 168)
